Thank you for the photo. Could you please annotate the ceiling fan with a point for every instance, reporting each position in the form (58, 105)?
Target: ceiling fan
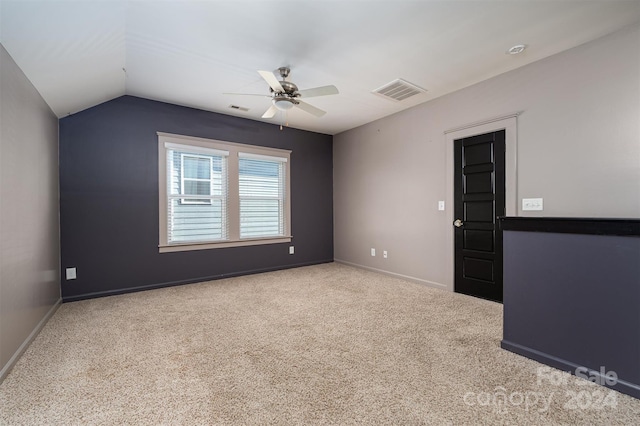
(285, 95)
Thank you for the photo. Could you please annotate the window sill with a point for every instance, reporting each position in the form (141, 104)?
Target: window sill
(169, 248)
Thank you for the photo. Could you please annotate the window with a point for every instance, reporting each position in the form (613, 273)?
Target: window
(261, 196)
(221, 194)
(196, 196)
(196, 174)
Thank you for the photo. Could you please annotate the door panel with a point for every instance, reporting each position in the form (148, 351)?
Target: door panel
(479, 191)
(478, 183)
(478, 211)
(478, 240)
(478, 154)
(478, 269)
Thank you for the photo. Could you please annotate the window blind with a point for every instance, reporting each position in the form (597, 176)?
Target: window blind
(262, 195)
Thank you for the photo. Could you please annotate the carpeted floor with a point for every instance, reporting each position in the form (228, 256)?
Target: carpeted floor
(326, 344)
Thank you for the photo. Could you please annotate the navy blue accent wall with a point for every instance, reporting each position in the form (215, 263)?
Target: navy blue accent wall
(109, 198)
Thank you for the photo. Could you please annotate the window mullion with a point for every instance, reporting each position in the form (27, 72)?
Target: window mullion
(233, 200)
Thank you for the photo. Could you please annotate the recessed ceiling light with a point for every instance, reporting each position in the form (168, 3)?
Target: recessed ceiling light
(518, 48)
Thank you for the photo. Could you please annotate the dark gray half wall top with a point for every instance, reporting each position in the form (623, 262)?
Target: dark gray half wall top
(109, 198)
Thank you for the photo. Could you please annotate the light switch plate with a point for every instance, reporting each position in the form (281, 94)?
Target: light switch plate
(532, 204)
(441, 205)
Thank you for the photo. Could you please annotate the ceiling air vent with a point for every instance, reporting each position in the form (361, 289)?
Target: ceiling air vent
(399, 90)
(239, 108)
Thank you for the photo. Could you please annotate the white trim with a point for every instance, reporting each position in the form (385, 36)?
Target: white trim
(480, 123)
(509, 123)
(427, 283)
(218, 144)
(196, 149)
(223, 244)
(23, 347)
(262, 157)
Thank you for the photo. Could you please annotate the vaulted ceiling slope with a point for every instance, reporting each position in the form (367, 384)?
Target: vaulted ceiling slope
(81, 53)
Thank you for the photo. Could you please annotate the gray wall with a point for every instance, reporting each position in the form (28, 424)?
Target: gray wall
(29, 236)
(578, 147)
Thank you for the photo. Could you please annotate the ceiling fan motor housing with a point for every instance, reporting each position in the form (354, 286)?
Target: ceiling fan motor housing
(289, 88)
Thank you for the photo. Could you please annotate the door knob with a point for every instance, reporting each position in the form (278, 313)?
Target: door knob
(457, 223)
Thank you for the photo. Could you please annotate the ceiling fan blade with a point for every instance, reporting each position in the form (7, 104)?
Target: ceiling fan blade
(271, 112)
(318, 91)
(310, 109)
(248, 94)
(272, 81)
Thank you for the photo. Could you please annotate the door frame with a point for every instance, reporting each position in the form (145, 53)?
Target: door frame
(510, 125)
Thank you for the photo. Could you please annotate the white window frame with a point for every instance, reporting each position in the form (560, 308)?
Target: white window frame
(233, 152)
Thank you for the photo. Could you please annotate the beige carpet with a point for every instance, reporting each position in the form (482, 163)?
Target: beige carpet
(326, 344)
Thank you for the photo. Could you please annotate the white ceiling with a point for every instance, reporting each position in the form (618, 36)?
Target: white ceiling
(191, 52)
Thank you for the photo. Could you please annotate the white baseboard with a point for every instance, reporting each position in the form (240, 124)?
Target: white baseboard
(23, 347)
(394, 274)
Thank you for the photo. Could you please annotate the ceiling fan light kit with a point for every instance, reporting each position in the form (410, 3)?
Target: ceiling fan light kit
(283, 103)
(284, 94)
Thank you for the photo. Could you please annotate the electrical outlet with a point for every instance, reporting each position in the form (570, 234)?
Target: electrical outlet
(384, 254)
(71, 274)
(532, 204)
(373, 252)
(291, 250)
